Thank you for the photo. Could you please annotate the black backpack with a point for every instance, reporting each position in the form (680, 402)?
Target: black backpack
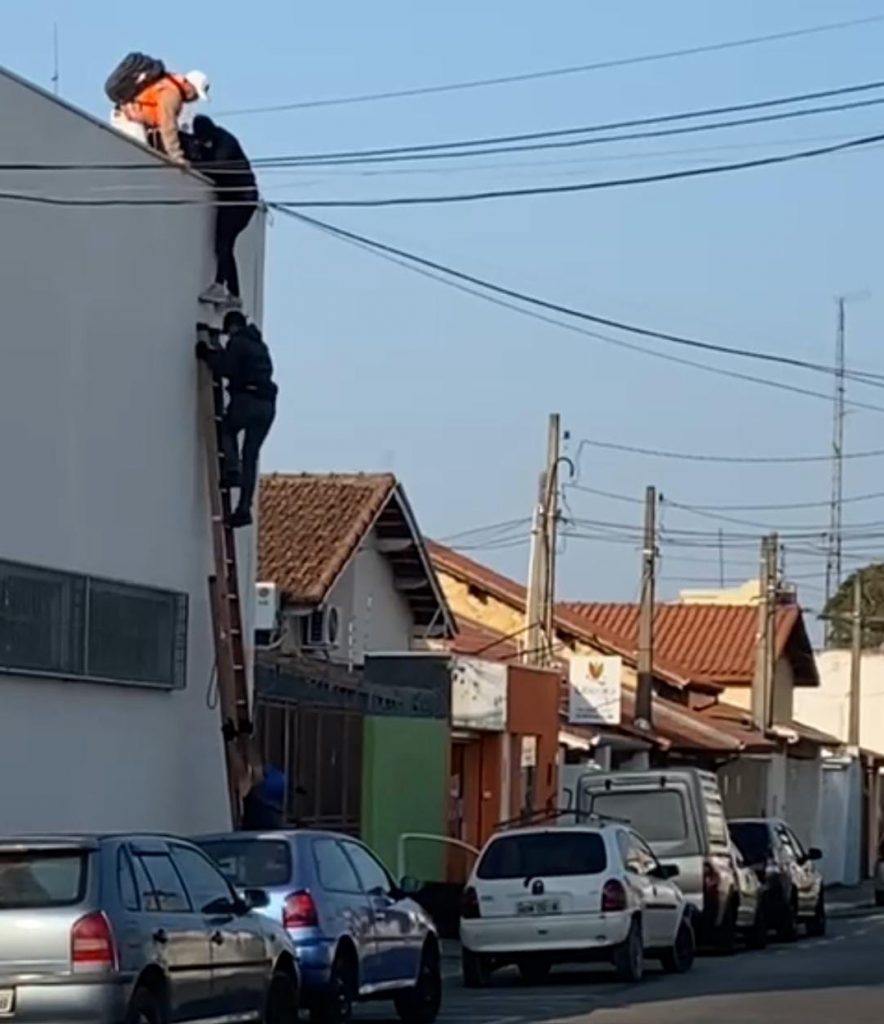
(136, 71)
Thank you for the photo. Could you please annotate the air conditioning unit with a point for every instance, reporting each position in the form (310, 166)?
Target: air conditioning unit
(320, 629)
(266, 607)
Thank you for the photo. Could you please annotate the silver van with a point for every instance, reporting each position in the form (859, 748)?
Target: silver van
(134, 929)
(680, 813)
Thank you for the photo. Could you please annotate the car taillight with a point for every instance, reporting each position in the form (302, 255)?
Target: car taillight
(469, 904)
(613, 896)
(92, 944)
(711, 879)
(299, 911)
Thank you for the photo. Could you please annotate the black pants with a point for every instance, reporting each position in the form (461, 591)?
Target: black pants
(246, 414)
(231, 222)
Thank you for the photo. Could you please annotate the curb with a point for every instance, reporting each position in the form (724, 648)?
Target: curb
(849, 911)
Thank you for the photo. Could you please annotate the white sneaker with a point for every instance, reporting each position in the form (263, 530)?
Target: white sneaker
(233, 301)
(216, 294)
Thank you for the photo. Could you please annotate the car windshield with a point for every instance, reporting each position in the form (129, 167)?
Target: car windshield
(251, 863)
(659, 815)
(35, 879)
(752, 839)
(544, 854)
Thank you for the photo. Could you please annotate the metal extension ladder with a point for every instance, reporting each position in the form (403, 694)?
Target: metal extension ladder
(224, 596)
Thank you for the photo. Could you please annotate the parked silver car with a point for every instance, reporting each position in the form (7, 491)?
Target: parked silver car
(358, 935)
(134, 929)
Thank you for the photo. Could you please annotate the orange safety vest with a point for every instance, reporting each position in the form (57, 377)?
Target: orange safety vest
(145, 108)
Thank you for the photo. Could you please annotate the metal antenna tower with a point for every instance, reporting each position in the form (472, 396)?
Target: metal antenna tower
(836, 502)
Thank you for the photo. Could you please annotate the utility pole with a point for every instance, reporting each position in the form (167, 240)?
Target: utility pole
(770, 637)
(836, 503)
(856, 660)
(540, 599)
(765, 637)
(644, 697)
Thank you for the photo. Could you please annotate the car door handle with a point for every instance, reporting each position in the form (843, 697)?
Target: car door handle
(217, 938)
(160, 936)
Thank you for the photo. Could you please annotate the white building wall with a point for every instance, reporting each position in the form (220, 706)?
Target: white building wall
(828, 708)
(102, 462)
(374, 616)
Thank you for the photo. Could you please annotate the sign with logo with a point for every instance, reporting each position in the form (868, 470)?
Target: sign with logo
(594, 690)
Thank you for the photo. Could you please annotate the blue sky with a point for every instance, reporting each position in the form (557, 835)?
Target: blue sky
(380, 369)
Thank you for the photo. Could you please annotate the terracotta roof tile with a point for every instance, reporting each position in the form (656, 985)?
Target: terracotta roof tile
(311, 524)
(711, 643)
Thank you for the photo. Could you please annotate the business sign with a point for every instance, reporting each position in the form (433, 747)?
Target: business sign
(594, 690)
(478, 695)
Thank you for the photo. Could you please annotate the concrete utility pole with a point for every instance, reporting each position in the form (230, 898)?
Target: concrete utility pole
(856, 660)
(644, 696)
(540, 600)
(765, 638)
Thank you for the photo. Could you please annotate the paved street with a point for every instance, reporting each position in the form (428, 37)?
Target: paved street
(836, 979)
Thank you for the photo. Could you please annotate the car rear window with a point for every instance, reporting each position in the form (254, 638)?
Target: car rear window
(658, 815)
(545, 855)
(252, 863)
(752, 839)
(45, 878)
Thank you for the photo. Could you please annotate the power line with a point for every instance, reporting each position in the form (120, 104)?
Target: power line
(745, 459)
(454, 147)
(420, 261)
(530, 141)
(598, 336)
(585, 186)
(574, 69)
(768, 507)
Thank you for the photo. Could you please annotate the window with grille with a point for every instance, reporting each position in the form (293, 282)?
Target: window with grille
(76, 626)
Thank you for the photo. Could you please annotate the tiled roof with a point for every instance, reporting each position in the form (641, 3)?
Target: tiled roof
(310, 526)
(711, 643)
(568, 622)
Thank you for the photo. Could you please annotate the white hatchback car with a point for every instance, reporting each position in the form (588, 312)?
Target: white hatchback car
(541, 896)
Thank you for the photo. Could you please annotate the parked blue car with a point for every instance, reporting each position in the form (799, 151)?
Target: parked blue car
(357, 934)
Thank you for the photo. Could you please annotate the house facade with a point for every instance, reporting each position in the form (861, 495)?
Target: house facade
(106, 648)
(342, 710)
(348, 565)
(704, 662)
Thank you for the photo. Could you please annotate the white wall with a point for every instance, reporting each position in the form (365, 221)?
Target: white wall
(828, 708)
(102, 464)
(375, 617)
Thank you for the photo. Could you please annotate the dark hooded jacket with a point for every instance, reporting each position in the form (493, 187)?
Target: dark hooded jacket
(245, 364)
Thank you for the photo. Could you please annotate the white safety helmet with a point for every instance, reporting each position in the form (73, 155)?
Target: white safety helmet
(200, 81)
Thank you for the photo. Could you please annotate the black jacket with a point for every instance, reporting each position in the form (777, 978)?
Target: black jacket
(244, 363)
(228, 167)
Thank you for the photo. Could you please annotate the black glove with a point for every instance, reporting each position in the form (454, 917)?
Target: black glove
(202, 350)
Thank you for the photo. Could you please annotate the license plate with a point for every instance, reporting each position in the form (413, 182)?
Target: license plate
(539, 907)
(7, 1000)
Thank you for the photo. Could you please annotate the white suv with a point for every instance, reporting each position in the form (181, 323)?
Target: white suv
(541, 896)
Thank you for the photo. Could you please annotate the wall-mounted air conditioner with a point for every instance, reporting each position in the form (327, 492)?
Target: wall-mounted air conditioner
(266, 607)
(320, 630)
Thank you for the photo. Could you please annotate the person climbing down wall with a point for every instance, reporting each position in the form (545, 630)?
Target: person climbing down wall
(246, 365)
(220, 157)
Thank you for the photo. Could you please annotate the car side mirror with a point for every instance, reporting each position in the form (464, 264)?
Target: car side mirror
(814, 853)
(666, 871)
(255, 899)
(410, 886)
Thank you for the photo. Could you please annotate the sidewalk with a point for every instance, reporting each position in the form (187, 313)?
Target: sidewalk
(850, 900)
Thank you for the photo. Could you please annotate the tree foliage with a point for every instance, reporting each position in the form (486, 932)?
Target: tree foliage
(839, 610)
